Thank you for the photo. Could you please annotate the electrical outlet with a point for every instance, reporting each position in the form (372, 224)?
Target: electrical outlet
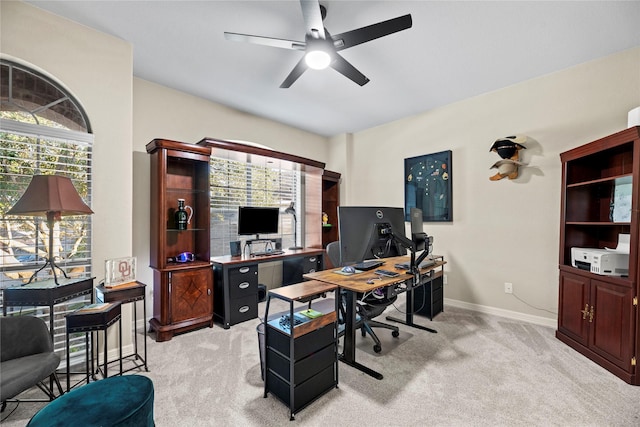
(444, 279)
(508, 288)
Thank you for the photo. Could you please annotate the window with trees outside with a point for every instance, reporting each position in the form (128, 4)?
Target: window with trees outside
(241, 179)
(43, 130)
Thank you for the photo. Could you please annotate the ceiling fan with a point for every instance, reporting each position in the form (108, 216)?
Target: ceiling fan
(321, 48)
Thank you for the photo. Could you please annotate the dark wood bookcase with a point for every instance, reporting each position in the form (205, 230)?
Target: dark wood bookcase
(598, 314)
(330, 203)
(182, 292)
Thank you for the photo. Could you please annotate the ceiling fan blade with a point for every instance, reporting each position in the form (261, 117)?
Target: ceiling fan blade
(371, 32)
(297, 71)
(312, 18)
(267, 41)
(343, 66)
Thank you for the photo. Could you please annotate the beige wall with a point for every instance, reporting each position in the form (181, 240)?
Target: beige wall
(504, 231)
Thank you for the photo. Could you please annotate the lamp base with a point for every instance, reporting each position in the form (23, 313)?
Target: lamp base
(295, 248)
(53, 270)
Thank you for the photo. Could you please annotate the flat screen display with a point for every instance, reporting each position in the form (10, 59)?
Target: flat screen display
(257, 220)
(359, 229)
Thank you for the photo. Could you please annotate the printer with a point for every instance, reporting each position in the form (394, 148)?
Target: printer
(605, 262)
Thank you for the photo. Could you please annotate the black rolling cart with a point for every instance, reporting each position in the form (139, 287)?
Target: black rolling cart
(301, 358)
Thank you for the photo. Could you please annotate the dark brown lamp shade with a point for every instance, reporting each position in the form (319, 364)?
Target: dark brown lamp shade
(50, 194)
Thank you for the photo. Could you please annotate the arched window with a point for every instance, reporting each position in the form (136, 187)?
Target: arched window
(43, 131)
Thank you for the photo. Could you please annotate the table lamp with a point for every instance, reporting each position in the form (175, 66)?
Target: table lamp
(52, 196)
(291, 210)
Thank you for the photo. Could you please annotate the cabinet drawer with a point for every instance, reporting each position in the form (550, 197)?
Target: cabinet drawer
(241, 309)
(305, 368)
(294, 268)
(311, 264)
(243, 281)
(304, 345)
(305, 392)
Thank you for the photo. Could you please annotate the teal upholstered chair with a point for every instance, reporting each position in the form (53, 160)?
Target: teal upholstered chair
(123, 401)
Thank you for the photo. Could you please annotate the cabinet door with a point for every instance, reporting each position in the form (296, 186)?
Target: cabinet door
(191, 294)
(611, 333)
(574, 307)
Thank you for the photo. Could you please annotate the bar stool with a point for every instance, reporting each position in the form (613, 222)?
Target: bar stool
(89, 319)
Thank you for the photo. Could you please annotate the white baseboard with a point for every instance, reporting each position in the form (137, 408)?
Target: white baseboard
(538, 320)
(114, 353)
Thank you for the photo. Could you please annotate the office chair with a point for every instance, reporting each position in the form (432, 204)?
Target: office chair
(368, 307)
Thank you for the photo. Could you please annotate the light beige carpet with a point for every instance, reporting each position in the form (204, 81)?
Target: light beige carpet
(478, 370)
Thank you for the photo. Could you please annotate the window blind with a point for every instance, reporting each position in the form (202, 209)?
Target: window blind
(250, 180)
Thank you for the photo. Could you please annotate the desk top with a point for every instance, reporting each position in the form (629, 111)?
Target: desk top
(242, 259)
(302, 290)
(358, 282)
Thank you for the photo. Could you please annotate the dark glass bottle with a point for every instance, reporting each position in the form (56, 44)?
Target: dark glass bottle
(181, 216)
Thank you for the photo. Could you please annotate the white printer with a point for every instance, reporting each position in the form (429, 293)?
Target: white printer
(606, 262)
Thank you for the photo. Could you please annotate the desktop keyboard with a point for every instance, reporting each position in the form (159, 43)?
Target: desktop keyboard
(386, 273)
(367, 265)
(267, 253)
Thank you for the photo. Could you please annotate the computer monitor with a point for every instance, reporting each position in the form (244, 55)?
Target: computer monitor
(368, 232)
(257, 220)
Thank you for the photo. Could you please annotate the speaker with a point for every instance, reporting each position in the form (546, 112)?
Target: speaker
(278, 244)
(235, 248)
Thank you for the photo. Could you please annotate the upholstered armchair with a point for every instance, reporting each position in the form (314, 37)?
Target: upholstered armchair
(26, 357)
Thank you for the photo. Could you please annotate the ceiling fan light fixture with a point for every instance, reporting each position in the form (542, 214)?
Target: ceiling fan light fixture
(317, 59)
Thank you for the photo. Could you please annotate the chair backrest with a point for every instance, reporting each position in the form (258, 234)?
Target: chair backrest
(23, 336)
(333, 252)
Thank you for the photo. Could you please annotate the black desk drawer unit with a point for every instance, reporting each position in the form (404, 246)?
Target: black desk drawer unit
(428, 300)
(302, 369)
(304, 345)
(237, 290)
(305, 392)
(294, 268)
(301, 358)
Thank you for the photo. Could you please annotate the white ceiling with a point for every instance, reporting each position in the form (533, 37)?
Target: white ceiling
(455, 50)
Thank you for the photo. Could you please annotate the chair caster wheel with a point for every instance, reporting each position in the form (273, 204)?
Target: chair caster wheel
(395, 334)
(377, 348)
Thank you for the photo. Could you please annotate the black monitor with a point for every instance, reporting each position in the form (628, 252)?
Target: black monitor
(368, 232)
(257, 220)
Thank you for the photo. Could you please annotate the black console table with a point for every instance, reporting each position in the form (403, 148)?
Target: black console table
(46, 293)
(129, 293)
(236, 281)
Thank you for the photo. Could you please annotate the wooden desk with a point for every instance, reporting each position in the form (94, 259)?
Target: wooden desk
(357, 283)
(236, 281)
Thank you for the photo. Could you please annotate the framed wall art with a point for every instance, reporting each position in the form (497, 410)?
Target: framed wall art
(427, 186)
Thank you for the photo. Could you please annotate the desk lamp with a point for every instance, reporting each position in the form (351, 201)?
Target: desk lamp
(291, 210)
(52, 196)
